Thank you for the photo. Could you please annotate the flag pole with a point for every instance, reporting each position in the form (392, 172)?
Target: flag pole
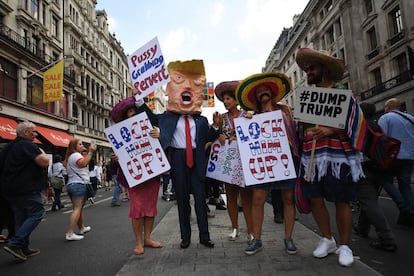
(45, 67)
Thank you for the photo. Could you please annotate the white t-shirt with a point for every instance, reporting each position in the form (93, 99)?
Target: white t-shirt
(77, 174)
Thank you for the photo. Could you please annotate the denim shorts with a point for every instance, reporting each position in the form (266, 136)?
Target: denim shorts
(76, 190)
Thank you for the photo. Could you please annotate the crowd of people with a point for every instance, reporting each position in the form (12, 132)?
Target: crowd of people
(328, 161)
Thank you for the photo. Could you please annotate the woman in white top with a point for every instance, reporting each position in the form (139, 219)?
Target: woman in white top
(78, 176)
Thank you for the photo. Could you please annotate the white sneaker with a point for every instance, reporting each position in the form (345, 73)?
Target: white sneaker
(234, 235)
(84, 230)
(346, 258)
(325, 247)
(73, 237)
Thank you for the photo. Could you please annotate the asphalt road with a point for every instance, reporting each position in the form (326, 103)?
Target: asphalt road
(103, 251)
(110, 243)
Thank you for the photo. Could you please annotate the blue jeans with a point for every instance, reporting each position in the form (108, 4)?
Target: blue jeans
(117, 190)
(28, 213)
(403, 196)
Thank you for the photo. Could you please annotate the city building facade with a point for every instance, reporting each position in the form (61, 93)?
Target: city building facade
(35, 35)
(374, 37)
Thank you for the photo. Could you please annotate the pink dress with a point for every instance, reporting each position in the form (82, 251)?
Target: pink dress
(143, 199)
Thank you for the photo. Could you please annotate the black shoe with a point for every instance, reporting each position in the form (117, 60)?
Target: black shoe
(220, 206)
(61, 206)
(207, 243)
(359, 232)
(406, 218)
(390, 247)
(278, 218)
(185, 244)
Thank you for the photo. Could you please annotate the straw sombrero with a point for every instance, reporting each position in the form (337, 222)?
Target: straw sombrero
(335, 66)
(279, 83)
(224, 87)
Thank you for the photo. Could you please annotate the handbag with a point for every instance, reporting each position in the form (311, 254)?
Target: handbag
(302, 203)
(89, 192)
(56, 182)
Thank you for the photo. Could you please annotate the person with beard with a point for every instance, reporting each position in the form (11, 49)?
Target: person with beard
(261, 93)
(335, 166)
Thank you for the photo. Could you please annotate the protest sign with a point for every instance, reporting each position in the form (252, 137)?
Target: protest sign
(224, 163)
(264, 148)
(147, 68)
(322, 106)
(140, 156)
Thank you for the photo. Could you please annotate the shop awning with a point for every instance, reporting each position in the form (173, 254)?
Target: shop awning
(7, 128)
(56, 137)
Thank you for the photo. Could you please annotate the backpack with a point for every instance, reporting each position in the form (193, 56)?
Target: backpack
(380, 148)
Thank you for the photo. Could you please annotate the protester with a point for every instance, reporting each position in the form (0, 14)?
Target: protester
(400, 125)
(78, 177)
(144, 196)
(182, 119)
(113, 168)
(225, 92)
(336, 164)
(368, 190)
(261, 93)
(23, 165)
(57, 180)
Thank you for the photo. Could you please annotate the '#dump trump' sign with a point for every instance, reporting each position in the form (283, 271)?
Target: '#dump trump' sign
(140, 156)
(147, 68)
(323, 106)
(264, 148)
(224, 163)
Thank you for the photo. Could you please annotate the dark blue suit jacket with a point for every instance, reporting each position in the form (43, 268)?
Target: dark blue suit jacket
(204, 133)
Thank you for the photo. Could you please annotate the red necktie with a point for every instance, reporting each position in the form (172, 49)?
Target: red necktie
(188, 144)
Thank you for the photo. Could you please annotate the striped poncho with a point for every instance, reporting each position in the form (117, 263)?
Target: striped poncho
(338, 149)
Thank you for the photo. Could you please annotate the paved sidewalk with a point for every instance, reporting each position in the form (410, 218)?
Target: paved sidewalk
(228, 258)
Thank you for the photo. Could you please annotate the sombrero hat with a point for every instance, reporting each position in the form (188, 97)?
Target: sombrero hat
(335, 66)
(118, 111)
(225, 86)
(278, 82)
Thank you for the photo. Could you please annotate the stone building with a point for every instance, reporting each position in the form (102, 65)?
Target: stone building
(374, 37)
(36, 34)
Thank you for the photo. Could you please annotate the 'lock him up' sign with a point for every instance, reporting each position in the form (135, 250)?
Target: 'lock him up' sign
(323, 106)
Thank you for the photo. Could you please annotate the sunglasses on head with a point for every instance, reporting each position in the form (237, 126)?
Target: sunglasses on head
(310, 68)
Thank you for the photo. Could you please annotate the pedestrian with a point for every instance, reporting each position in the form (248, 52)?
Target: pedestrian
(187, 156)
(78, 177)
(336, 166)
(23, 178)
(94, 179)
(368, 190)
(57, 181)
(144, 196)
(225, 92)
(400, 125)
(113, 168)
(262, 93)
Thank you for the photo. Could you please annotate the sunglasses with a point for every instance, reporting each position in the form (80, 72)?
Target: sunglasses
(310, 68)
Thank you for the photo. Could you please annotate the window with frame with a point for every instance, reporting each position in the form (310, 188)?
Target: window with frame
(54, 27)
(376, 74)
(330, 35)
(372, 39)
(368, 6)
(401, 63)
(34, 8)
(396, 21)
(8, 79)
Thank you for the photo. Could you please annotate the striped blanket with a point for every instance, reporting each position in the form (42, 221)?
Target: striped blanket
(338, 149)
